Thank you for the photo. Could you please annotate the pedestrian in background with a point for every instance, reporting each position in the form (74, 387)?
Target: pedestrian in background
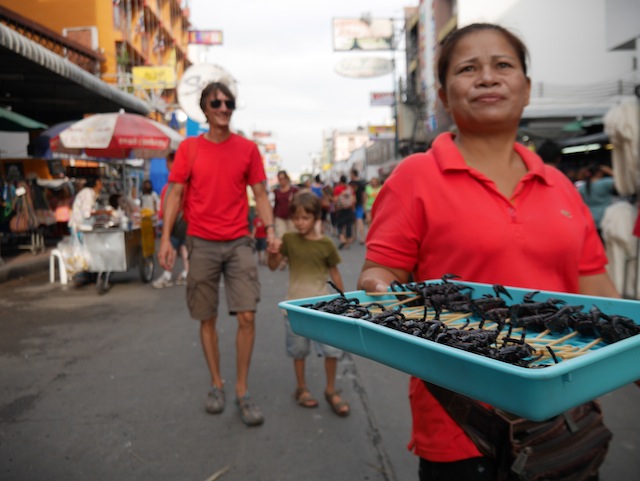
(344, 198)
(213, 171)
(371, 191)
(313, 259)
(177, 238)
(84, 204)
(283, 194)
(427, 208)
(598, 191)
(259, 233)
(149, 200)
(358, 187)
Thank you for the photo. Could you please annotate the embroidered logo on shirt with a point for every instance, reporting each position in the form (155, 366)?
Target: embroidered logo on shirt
(566, 213)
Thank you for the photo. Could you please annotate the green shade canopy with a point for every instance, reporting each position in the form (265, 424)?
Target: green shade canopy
(13, 122)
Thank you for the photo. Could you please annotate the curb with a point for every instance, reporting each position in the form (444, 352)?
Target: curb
(9, 271)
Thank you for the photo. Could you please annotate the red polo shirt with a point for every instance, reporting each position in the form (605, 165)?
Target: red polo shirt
(436, 215)
(215, 204)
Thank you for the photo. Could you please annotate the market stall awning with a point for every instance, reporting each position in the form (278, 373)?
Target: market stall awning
(45, 86)
(14, 122)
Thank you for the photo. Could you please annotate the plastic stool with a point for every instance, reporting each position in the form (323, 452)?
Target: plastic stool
(55, 253)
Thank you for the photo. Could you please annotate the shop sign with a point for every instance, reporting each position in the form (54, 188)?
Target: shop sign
(154, 77)
(362, 34)
(386, 99)
(381, 132)
(205, 37)
(364, 67)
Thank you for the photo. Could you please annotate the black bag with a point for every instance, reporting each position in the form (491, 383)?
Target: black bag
(568, 447)
(179, 230)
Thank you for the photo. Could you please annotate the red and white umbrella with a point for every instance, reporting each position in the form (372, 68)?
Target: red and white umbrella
(117, 135)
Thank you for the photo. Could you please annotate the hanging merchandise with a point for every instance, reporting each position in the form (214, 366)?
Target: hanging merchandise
(622, 125)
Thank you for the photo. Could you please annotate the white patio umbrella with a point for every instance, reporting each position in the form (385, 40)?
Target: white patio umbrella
(117, 135)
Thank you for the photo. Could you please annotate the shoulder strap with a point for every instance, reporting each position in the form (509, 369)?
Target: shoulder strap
(193, 151)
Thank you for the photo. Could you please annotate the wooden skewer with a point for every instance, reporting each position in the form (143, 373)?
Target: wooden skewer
(399, 303)
(562, 339)
(542, 334)
(586, 347)
(391, 293)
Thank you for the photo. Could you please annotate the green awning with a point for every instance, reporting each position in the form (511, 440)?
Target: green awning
(14, 122)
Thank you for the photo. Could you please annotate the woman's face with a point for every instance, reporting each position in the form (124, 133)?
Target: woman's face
(283, 180)
(486, 88)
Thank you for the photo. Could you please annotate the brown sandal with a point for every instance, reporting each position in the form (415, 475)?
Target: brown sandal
(337, 403)
(304, 398)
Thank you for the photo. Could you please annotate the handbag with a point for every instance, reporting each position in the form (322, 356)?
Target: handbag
(179, 230)
(567, 447)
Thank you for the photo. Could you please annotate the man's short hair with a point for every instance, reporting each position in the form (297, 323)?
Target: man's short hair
(214, 87)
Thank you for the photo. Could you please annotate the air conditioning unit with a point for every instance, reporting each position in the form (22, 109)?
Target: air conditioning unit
(87, 36)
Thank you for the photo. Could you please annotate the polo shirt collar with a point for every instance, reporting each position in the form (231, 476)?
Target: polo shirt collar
(449, 158)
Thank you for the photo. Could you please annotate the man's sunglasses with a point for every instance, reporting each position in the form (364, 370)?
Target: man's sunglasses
(217, 103)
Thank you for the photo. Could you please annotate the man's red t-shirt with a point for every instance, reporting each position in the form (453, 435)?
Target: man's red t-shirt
(217, 175)
(435, 215)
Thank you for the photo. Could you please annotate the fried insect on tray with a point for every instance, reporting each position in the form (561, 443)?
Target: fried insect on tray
(424, 309)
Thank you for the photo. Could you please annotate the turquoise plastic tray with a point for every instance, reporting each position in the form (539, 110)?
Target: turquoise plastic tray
(536, 394)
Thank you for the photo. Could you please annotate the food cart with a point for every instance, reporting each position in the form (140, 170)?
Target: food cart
(119, 249)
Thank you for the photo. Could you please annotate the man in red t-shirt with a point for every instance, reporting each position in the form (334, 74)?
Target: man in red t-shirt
(217, 167)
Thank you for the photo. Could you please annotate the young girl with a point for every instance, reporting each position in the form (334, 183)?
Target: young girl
(313, 258)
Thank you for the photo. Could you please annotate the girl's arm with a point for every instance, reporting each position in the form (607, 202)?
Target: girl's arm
(274, 257)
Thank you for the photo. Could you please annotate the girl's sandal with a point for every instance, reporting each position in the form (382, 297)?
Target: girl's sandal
(339, 406)
(304, 398)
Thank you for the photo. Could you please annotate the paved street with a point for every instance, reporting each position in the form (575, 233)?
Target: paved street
(113, 387)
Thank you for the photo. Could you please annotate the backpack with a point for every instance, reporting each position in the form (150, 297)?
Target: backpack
(346, 198)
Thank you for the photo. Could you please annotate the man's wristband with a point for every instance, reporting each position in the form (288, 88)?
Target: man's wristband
(270, 225)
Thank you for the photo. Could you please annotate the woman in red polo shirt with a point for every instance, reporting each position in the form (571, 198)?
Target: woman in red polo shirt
(483, 207)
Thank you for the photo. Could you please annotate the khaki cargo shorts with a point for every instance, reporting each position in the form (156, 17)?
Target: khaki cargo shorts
(209, 261)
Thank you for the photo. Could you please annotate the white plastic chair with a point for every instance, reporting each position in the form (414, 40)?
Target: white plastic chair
(55, 253)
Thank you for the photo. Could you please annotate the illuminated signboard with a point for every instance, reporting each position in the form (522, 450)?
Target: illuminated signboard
(205, 37)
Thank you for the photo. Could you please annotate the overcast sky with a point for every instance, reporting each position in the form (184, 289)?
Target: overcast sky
(281, 54)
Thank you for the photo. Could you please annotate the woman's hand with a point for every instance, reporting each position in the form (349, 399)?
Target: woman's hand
(375, 277)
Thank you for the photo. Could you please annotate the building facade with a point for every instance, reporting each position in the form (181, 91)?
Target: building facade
(125, 35)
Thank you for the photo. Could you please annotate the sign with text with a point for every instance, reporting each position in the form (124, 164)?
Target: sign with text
(362, 34)
(379, 132)
(154, 77)
(364, 67)
(205, 37)
(385, 99)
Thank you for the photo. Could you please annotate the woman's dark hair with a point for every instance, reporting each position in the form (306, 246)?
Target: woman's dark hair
(450, 42)
(91, 182)
(114, 200)
(284, 174)
(147, 186)
(214, 87)
(308, 201)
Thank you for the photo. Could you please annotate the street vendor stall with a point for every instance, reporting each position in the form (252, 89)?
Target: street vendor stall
(128, 240)
(118, 249)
